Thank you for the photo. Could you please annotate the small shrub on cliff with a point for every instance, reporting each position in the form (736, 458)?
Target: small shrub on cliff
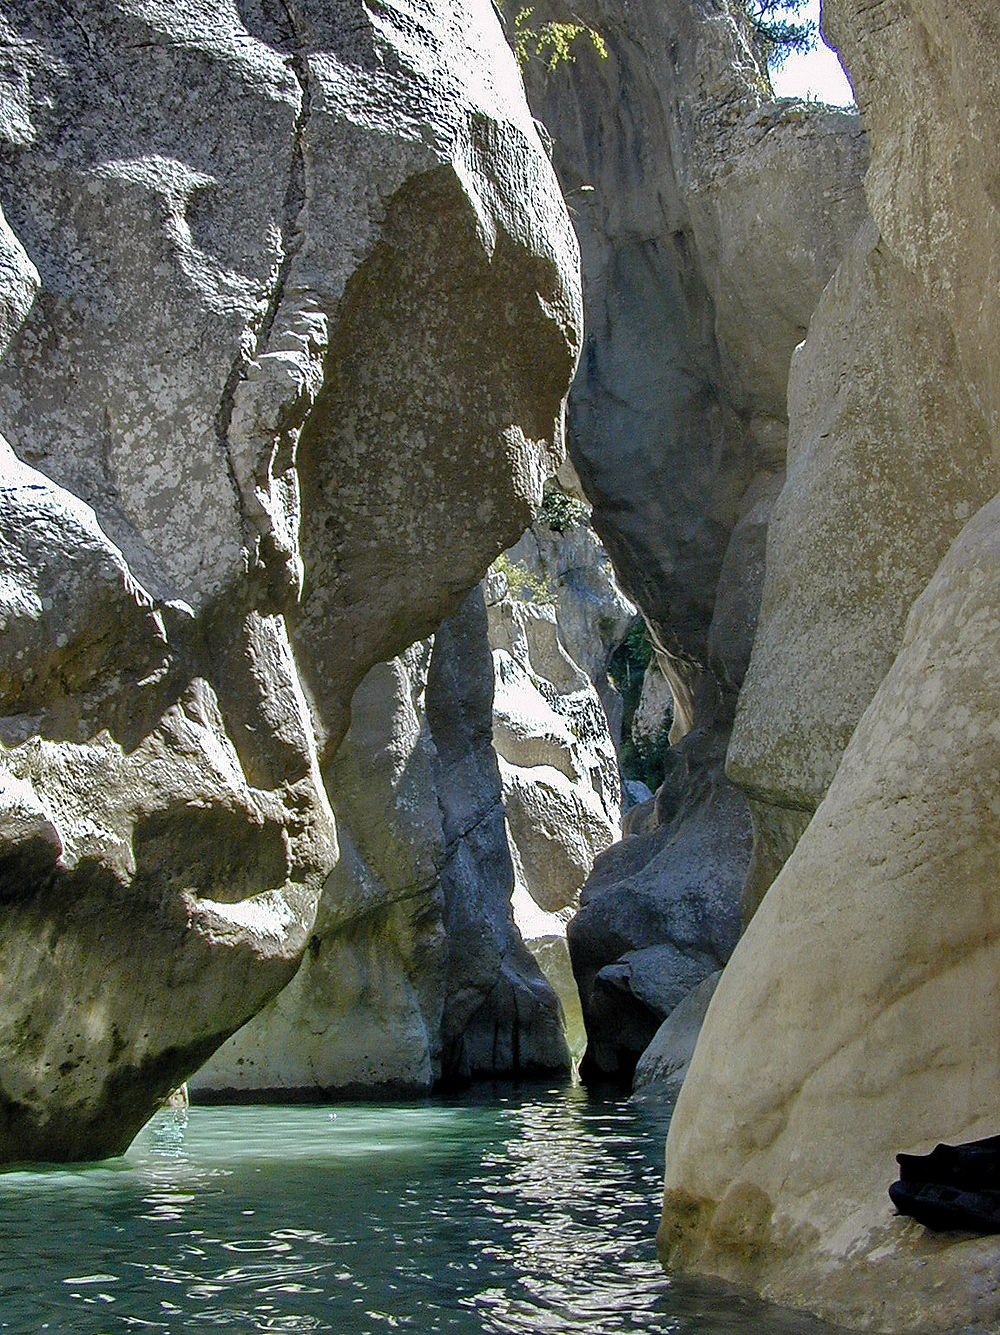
(522, 583)
(561, 512)
(551, 43)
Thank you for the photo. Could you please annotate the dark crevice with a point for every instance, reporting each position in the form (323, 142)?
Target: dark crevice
(291, 240)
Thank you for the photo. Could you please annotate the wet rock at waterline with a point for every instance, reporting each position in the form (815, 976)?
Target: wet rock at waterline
(279, 430)
(661, 1069)
(415, 972)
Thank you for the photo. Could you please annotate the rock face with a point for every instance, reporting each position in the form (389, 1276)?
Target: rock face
(885, 464)
(844, 1028)
(663, 1066)
(858, 1016)
(661, 910)
(414, 971)
(559, 767)
(592, 612)
(710, 219)
(267, 427)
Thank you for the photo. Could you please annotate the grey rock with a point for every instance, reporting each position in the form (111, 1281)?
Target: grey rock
(661, 1069)
(858, 1016)
(710, 218)
(415, 972)
(661, 909)
(593, 613)
(880, 480)
(500, 1013)
(279, 430)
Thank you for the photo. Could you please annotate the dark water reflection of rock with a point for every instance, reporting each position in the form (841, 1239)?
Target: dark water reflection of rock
(509, 1211)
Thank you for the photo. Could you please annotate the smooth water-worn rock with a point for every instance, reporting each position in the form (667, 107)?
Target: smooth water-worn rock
(858, 1016)
(562, 791)
(710, 219)
(306, 311)
(559, 768)
(663, 1066)
(886, 462)
(414, 971)
(661, 910)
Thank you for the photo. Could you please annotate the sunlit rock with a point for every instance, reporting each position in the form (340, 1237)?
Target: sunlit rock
(306, 311)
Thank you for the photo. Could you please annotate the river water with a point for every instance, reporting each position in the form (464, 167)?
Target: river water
(506, 1211)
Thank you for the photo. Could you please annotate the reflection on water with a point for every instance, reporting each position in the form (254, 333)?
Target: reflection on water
(527, 1212)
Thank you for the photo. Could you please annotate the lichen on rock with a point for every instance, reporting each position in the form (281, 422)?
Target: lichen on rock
(292, 303)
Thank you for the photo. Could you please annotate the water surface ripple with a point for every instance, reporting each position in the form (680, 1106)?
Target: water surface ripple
(522, 1211)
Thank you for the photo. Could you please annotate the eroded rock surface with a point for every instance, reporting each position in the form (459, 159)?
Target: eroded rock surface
(305, 313)
(858, 1016)
(415, 972)
(711, 217)
(558, 764)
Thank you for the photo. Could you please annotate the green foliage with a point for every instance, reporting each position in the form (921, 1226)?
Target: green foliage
(641, 757)
(522, 583)
(561, 512)
(778, 29)
(551, 43)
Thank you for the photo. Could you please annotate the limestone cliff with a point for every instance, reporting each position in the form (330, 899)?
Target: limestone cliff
(710, 219)
(291, 306)
(858, 1016)
(415, 972)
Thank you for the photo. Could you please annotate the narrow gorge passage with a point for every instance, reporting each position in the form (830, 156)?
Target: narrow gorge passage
(499, 551)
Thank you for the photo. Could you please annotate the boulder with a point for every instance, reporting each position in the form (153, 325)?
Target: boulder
(306, 311)
(660, 911)
(661, 1069)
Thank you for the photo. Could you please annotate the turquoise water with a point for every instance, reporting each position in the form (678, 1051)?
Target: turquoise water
(520, 1212)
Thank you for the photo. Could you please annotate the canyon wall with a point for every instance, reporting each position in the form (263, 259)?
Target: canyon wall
(290, 307)
(474, 786)
(415, 972)
(710, 218)
(859, 1015)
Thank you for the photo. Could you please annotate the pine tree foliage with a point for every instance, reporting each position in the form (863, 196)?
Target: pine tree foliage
(778, 28)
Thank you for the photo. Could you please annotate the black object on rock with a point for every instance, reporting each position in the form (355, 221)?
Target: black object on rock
(953, 1187)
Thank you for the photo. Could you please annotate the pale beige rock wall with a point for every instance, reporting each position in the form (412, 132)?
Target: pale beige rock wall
(859, 1014)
